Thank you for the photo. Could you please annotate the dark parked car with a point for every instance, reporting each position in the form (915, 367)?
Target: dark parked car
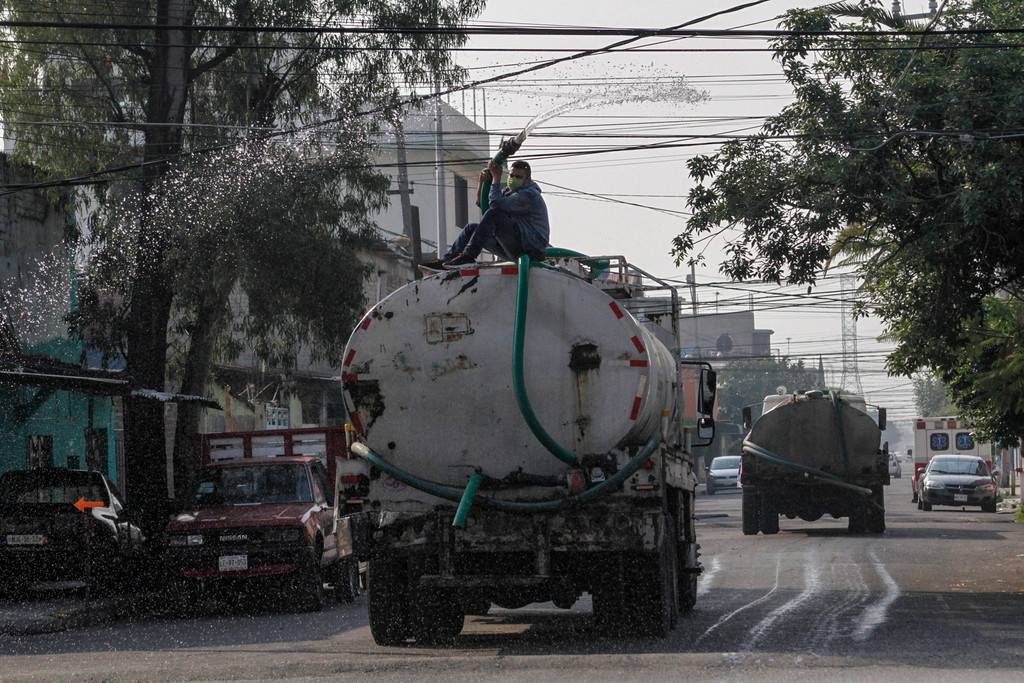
(957, 480)
(45, 537)
(723, 473)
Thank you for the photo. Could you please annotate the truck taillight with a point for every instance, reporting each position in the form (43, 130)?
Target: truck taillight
(921, 425)
(350, 479)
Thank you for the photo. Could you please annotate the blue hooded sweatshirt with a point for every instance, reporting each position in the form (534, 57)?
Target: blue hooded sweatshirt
(527, 209)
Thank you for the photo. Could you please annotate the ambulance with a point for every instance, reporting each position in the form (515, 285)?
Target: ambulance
(944, 436)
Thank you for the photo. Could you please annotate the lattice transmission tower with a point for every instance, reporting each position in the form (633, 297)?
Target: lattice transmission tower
(851, 375)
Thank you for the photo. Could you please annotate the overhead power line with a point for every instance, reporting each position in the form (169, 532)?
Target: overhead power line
(495, 30)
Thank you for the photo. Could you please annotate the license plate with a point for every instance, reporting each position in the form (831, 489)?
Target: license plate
(25, 539)
(959, 497)
(234, 563)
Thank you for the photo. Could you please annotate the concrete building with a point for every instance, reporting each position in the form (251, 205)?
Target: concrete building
(43, 422)
(724, 335)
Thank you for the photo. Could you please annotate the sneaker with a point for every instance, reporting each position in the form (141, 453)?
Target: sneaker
(459, 262)
(430, 267)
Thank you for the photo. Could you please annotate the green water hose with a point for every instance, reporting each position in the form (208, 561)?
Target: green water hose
(466, 502)
(752, 448)
(597, 266)
(518, 379)
(456, 496)
(834, 397)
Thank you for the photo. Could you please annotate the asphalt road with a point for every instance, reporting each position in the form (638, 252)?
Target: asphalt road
(939, 595)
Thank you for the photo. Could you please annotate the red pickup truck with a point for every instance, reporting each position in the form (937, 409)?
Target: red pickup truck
(263, 516)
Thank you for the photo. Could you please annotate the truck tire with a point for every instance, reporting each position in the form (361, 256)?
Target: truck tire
(346, 585)
(609, 596)
(858, 522)
(686, 586)
(310, 586)
(661, 589)
(876, 517)
(388, 601)
(769, 516)
(436, 617)
(751, 512)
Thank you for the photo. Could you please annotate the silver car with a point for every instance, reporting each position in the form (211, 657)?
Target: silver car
(723, 473)
(895, 471)
(957, 480)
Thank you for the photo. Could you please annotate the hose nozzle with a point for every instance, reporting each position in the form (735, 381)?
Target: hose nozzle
(511, 145)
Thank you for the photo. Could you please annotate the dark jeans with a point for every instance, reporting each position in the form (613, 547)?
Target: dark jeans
(496, 232)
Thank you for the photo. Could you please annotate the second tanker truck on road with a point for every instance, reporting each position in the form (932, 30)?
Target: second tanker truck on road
(814, 454)
(521, 438)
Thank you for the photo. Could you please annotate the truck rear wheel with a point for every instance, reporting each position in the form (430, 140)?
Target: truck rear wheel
(346, 584)
(769, 516)
(660, 590)
(686, 584)
(310, 586)
(858, 522)
(751, 512)
(388, 601)
(436, 617)
(876, 515)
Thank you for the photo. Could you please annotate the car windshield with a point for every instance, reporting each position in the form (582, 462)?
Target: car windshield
(254, 484)
(51, 487)
(726, 463)
(958, 466)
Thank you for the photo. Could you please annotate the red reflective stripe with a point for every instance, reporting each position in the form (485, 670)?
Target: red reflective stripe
(637, 363)
(637, 344)
(356, 422)
(349, 378)
(469, 271)
(616, 309)
(365, 323)
(350, 478)
(348, 358)
(636, 408)
(509, 271)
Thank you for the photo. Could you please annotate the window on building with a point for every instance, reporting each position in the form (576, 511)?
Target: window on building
(277, 417)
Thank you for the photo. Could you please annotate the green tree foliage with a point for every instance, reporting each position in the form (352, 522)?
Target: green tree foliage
(745, 382)
(904, 147)
(241, 163)
(930, 398)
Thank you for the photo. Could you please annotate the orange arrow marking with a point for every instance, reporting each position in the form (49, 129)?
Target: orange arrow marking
(83, 503)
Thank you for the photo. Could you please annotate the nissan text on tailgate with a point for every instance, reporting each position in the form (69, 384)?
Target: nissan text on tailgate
(257, 525)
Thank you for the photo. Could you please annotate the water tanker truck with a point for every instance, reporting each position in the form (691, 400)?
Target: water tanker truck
(814, 454)
(519, 437)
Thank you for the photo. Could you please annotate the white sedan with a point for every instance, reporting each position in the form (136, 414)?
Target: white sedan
(895, 471)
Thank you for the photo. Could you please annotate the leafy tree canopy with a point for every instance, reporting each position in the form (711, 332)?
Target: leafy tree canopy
(219, 163)
(905, 147)
(746, 381)
(930, 397)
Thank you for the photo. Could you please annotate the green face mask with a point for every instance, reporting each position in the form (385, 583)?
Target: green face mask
(514, 183)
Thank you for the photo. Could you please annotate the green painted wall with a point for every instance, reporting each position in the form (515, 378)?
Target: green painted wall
(62, 415)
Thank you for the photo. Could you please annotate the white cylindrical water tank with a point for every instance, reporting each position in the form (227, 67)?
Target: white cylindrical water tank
(428, 374)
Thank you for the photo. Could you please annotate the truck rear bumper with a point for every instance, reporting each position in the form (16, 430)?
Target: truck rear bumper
(536, 555)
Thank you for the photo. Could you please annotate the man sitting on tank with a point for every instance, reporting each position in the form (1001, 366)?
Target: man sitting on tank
(515, 223)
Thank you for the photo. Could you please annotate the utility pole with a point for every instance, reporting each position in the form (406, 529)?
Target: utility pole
(692, 280)
(409, 228)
